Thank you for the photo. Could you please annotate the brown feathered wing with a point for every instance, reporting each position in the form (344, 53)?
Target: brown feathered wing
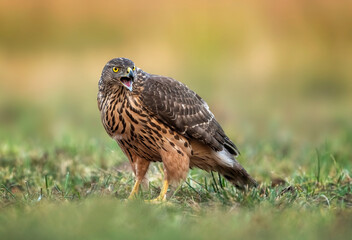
(182, 109)
(174, 104)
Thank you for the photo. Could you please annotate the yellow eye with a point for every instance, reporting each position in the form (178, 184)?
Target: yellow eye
(134, 68)
(115, 69)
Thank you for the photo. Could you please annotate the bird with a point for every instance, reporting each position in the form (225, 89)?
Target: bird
(159, 119)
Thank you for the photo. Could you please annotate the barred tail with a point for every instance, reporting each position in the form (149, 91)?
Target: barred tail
(237, 175)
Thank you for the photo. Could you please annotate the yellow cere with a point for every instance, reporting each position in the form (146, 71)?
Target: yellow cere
(115, 69)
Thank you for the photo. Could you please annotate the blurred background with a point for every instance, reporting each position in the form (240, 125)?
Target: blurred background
(277, 74)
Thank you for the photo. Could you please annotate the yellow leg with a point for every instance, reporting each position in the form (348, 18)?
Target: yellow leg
(134, 189)
(162, 195)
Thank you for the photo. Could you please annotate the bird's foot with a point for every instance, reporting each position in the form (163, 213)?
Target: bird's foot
(159, 199)
(131, 197)
(162, 196)
(134, 191)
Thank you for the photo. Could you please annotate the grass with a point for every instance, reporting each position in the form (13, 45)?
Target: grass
(70, 181)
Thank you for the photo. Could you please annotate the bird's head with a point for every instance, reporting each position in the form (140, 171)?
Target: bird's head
(118, 72)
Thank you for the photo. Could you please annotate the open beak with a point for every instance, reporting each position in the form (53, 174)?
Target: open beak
(127, 80)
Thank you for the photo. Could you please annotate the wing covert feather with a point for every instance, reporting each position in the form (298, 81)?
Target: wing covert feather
(184, 111)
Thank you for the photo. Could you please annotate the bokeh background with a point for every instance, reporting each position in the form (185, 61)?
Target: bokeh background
(277, 74)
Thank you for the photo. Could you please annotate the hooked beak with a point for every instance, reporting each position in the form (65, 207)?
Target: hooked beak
(127, 80)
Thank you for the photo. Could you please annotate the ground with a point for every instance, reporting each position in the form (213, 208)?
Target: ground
(62, 178)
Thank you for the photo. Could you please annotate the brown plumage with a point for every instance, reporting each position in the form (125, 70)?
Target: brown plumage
(156, 118)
